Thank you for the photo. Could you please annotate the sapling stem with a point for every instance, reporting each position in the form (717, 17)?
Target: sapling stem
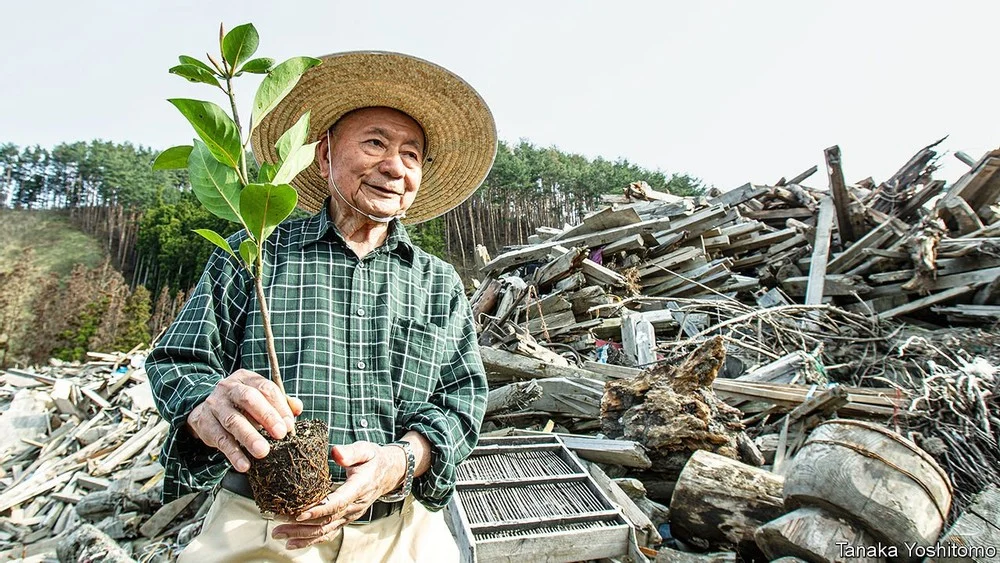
(265, 313)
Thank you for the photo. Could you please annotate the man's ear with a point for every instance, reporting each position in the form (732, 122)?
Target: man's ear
(321, 153)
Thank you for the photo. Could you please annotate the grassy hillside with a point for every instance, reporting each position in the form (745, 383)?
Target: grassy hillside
(57, 244)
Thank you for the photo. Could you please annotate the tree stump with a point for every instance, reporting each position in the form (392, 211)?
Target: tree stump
(674, 411)
(719, 503)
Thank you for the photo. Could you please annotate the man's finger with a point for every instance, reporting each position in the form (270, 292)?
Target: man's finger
(215, 435)
(259, 408)
(276, 399)
(237, 425)
(354, 454)
(324, 533)
(295, 405)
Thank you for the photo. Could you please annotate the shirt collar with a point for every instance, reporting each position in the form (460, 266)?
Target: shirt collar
(319, 226)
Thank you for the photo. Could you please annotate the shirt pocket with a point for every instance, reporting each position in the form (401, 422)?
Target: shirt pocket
(414, 360)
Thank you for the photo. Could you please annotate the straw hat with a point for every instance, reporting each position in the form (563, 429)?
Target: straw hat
(460, 131)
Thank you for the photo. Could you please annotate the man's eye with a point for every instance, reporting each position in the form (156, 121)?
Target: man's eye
(375, 143)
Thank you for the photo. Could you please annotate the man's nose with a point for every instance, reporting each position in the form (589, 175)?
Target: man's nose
(392, 165)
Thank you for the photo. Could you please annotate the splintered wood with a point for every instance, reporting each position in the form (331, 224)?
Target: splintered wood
(84, 476)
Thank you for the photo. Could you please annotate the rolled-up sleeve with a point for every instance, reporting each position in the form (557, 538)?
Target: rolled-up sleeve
(452, 416)
(198, 350)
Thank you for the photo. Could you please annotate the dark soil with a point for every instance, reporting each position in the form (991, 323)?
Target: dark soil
(296, 474)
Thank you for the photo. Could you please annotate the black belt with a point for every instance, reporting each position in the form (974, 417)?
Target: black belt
(237, 483)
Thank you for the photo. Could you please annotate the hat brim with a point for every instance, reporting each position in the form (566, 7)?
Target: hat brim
(458, 126)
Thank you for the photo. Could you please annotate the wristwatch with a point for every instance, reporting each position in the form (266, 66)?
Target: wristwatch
(411, 466)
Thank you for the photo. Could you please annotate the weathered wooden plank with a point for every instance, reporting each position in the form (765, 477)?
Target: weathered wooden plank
(926, 301)
(736, 196)
(977, 531)
(602, 220)
(853, 254)
(559, 266)
(834, 284)
(821, 250)
(804, 176)
(638, 338)
(523, 255)
(505, 366)
(841, 197)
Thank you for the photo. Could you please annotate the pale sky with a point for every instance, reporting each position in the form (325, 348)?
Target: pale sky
(729, 92)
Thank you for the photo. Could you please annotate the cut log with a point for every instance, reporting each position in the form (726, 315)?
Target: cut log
(816, 535)
(719, 502)
(874, 476)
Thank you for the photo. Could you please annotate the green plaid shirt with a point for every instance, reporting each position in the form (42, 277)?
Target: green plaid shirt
(375, 347)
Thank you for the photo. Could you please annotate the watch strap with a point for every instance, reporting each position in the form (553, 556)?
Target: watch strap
(411, 466)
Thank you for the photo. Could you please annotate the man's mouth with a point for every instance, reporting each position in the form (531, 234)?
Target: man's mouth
(383, 190)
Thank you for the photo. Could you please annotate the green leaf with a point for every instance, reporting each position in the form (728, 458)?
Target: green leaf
(258, 66)
(215, 128)
(174, 158)
(216, 239)
(265, 206)
(295, 137)
(195, 74)
(215, 185)
(277, 84)
(240, 44)
(186, 60)
(295, 163)
(266, 173)
(248, 251)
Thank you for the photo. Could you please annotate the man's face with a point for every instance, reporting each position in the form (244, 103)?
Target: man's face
(377, 158)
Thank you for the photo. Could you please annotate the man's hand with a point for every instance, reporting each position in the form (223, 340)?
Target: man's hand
(372, 471)
(237, 409)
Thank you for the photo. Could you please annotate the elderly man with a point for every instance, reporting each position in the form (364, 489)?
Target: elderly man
(373, 335)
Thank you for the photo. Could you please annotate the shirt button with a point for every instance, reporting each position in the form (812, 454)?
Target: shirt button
(361, 365)
(361, 264)
(364, 423)
(361, 312)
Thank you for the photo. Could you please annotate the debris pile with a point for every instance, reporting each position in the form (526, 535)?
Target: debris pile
(739, 324)
(78, 469)
(707, 358)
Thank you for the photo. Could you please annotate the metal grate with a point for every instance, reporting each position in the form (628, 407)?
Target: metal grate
(545, 530)
(520, 497)
(507, 465)
(528, 501)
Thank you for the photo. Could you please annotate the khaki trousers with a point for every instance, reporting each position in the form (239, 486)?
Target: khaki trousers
(235, 531)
